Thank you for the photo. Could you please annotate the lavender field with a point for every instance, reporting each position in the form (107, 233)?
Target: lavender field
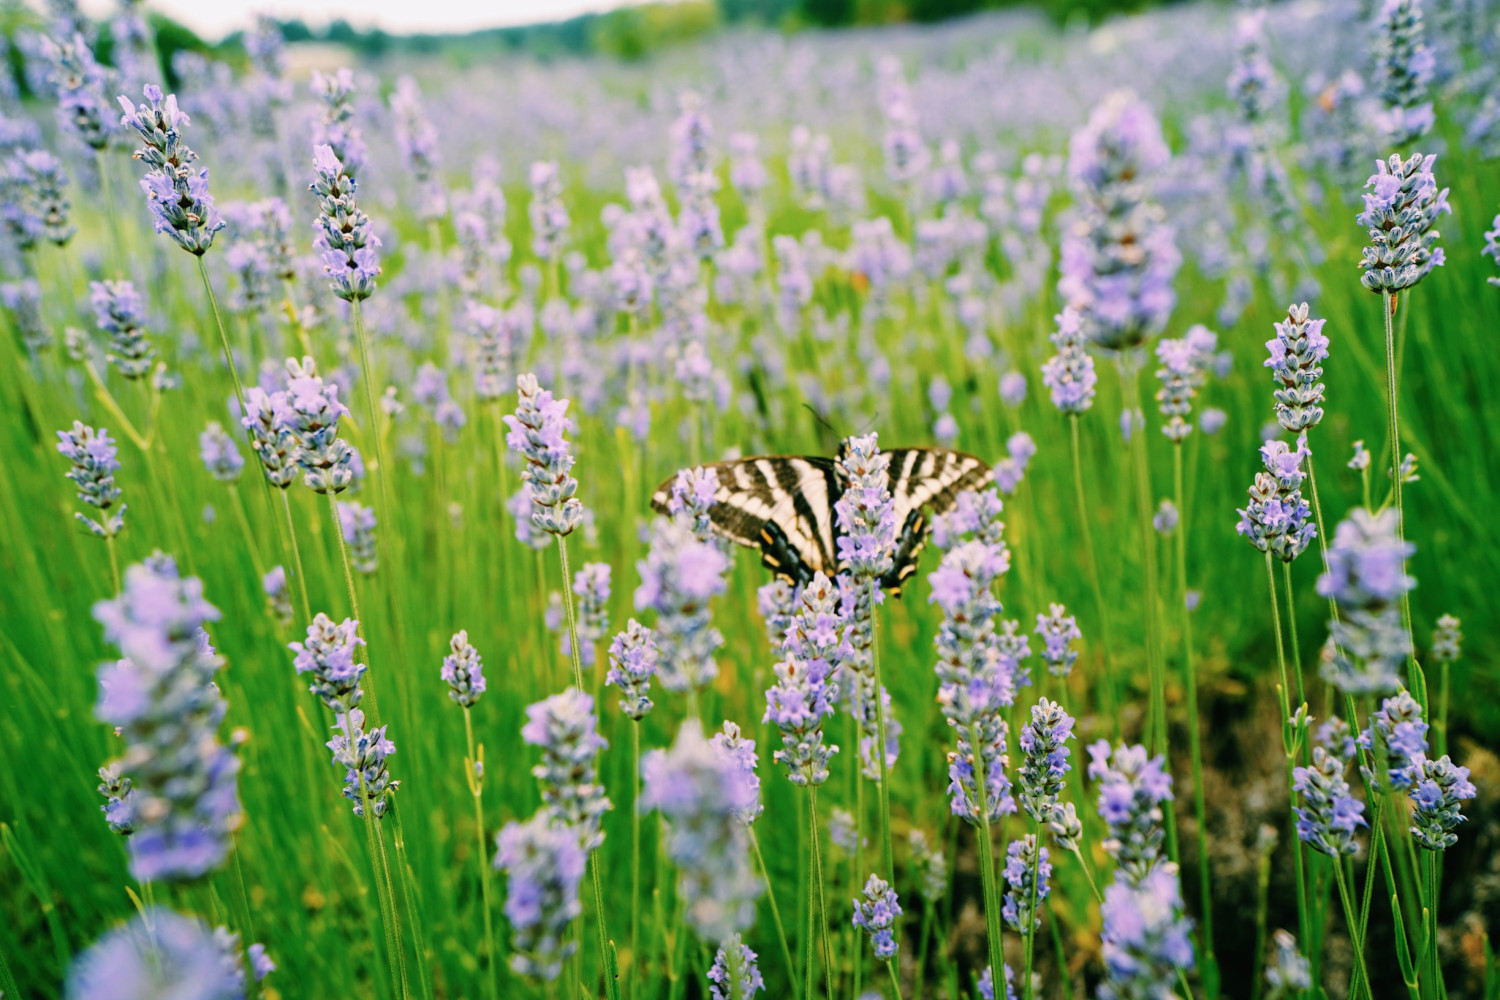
(388, 609)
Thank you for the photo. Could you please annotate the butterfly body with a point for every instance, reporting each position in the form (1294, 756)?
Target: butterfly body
(784, 506)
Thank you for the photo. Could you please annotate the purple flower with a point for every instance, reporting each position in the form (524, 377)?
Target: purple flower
(1277, 520)
(1437, 788)
(463, 670)
(866, 514)
(1058, 632)
(94, 455)
(335, 128)
(1401, 208)
(566, 730)
(177, 195)
(1044, 744)
(549, 217)
(159, 953)
(1331, 815)
(876, 915)
(1146, 935)
(221, 456)
(1398, 734)
(1295, 351)
(1405, 68)
(1132, 787)
(693, 493)
(633, 659)
(362, 753)
(328, 656)
(544, 868)
(308, 412)
(119, 809)
(344, 240)
(815, 646)
(1366, 576)
(536, 434)
(357, 525)
(1185, 363)
(1446, 639)
(741, 752)
(734, 972)
(1069, 374)
(974, 514)
(1026, 873)
(678, 577)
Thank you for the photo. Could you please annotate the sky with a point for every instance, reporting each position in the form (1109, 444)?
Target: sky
(215, 18)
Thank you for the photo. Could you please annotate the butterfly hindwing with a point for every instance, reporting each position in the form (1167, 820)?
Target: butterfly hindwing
(925, 478)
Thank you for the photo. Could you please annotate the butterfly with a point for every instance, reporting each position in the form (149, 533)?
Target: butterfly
(784, 505)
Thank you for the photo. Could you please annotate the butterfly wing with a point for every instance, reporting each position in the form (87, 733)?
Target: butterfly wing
(925, 478)
(781, 504)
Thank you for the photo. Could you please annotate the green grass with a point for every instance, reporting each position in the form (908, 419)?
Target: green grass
(299, 881)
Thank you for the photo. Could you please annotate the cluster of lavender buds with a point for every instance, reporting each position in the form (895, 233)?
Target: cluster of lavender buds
(463, 670)
(1146, 936)
(700, 794)
(1058, 631)
(975, 515)
(362, 753)
(1397, 735)
(876, 916)
(549, 217)
(536, 434)
(976, 680)
(814, 647)
(1446, 639)
(1401, 206)
(591, 585)
(565, 729)
(735, 748)
(120, 801)
(544, 867)
(1438, 786)
(357, 524)
(1366, 576)
(1118, 258)
(1295, 351)
(1252, 81)
(693, 494)
(1011, 469)
(679, 576)
(278, 597)
(163, 700)
(221, 456)
(1277, 519)
(633, 658)
(866, 513)
(841, 832)
(1132, 787)
(735, 973)
(1066, 827)
(986, 984)
(272, 442)
(1044, 769)
(430, 388)
(1331, 814)
(417, 138)
(79, 80)
(328, 656)
(930, 864)
(1405, 72)
(176, 193)
(1069, 374)
(1027, 870)
(33, 203)
(336, 128)
(344, 238)
(1288, 972)
(308, 412)
(1185, 361)
(776, 601)
(494, 349)
(692, 172)
(161, 953)
(1166, 518)
(94, 455)
(119, 312)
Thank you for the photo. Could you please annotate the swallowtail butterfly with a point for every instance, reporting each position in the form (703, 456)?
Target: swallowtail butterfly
(783, 505)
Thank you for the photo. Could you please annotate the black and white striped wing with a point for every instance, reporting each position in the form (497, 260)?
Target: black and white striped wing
(782, 505)
(925, 478)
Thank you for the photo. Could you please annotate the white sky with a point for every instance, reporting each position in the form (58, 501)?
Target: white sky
(215, 18)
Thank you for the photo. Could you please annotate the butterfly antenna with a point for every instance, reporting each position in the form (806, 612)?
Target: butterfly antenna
(819, 417)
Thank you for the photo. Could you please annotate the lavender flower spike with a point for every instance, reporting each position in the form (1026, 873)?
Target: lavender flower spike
(1405, 72)
(735, 973)
(343, 230)
(633, 658)
(1132, 787)
(1146, 936)
(679, 576)
(814, 648)
(119, 314)
(1401, 206)
(1295, 351)
(1044, 742)
(1058, 632)
(1438, 786)
(327, 655)
(177, 195)
(1277, 519)
(544, 864)
(357, 524)
(876, 915)
(866, 514)
(159, 953)
(1027, 871)
(1331, 816)
(309, 411)
(1069, 374)
(221, 456)
(1447, 639)
(565, 729)
(536, 434)
(1366, 577)
(93, 454)
(463, 670)
(362, 753)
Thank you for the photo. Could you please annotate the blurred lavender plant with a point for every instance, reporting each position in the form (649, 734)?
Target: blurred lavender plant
(734, 747)
(735, 973)
(692, 495)
(1366, 577)
(549, 217)
(1405, 67)
(120, 805)
(160, 953)
(1069, 374)
(417, 138)
(1146, 936)
(336, 128)
(221, 456)
(566, 730)
(119, 312)
(94, 455)
(1058, 632)
(357, 524)
(1027, 871)
(78, 81)
(1447, 639)
(633, 658)
(1185, 362)
(163, 700)
(1132, 787)
(679, 576)
(278, 596)
(33, 199)
(176, 193)
(544, 864)
(308, 412)
(930, 864)
(1288, 972)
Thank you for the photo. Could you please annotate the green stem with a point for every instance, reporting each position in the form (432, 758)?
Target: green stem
(1130, 368)
(234, 372)
(1392, 386)
(786, 951)
(987, 866)
(880, 752)
(1033, 918)
(1361, 977)
(817, 886)
(474, 777)
(1111, 691)
(1302, 915)
(291, 528)
(114, 562)
(895, 980)
(637, 966)
(1435, 969)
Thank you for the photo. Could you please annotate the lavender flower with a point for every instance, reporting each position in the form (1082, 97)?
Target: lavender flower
(118, 310)
(974, 515)
(1492, 248)
(549, 217)
(335, 128)
(417, 138)
(327, 655)
(536, 434)
(23, 300)
(1185, 362)
(633, 660)
(775, 601)
(36, 204)
(1132, 787)
(120, 808)
(734, 972)
(1405, 72)
(591, 585)
(1437, 788)
(177, 195)
(1119, 258)
(1026, 873)
(1058, 632)
(930, 865)
(1044, 744)
(1277, 520)
(343, 231)
(678, 578)
(842, 832)
(1146, 942)
(866, 513)
(309, 411)
(93, 454)
(221, 456)
(699, 793)
(1066, 827)
(814, 648)
(1397, 735)
(1288, 972)
(159, 954)
(876, 916)
(986, 984)
(1009, 471)
(271, 442)
(693, 493)
(1331, 816)
(165, 704)
(1165, 519)
(1336, 735)
(1069, 374)
(463, 670)
(1297, 348)
(1401, 207)
(1446, 639)
(82, 110)
(741, 752)
(357, 525)
(1366, 576)
(976, 681)
(565, 729)
(544, 867)
(278, 598)
(362, 753)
